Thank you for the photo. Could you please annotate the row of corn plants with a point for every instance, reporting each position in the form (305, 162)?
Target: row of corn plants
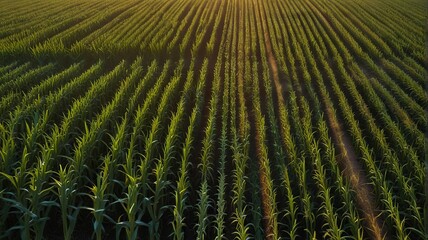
(9, 72)
(395, 165)
(23, 116)
(234, 64)
(120, 157)
(182, 190)
(43, 165)
(355, 226)
(206, 158)
(89, 145)
(369, 160)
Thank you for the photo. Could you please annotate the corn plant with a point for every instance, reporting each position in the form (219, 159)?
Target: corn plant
(183, 184)
(30, 196)
(8, 146)
(220, 220)
(202, 207)
(150, 145)
(131, 203)
(66, 190)
(143, 113)
(142, 88)
(100, 200)
(238, 200)
(16, 198)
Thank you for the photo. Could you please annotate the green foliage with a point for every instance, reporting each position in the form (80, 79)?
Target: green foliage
(203, 119)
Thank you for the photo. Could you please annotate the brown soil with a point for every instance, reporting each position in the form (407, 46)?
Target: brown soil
(266, 207)
(352, 170)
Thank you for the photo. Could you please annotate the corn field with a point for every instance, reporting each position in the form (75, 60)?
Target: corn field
(213, 119)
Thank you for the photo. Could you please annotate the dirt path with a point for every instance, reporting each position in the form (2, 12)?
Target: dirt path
(348, 162)
(347, 159)
(263, 179)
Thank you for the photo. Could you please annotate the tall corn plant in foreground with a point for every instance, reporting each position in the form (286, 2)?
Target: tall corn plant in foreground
(100, 199)
(66, 191)
(132, 203)
(29, 196)
(26, 202)
(17, 199)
